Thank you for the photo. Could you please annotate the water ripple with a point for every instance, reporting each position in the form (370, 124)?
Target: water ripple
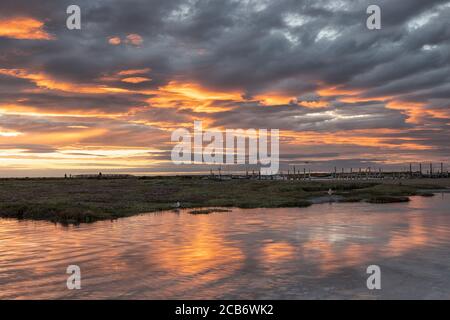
(316, 252)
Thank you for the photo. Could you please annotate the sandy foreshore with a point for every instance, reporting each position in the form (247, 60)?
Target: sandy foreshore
(88, 200)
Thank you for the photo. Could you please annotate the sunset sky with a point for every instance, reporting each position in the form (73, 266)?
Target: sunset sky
(107, 97)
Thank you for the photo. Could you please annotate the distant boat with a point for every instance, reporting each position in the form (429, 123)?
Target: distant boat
(177, 205)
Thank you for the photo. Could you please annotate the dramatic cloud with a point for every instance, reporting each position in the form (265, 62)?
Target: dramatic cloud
(340, 93)
(23, 28)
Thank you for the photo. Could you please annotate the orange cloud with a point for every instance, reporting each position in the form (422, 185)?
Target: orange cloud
(364, 138)
(9, 133)
(358, 99)
(314, 104)
(133, 72)
(71, 136)
(115, 41)
(31, 111)
(78, 157)
(130, 76)
(417, 110)
(24, 28)
(134, 39)
(337, 91)
(44, 81)
(348, 96)
(192, 96)
(274, 99)
(195, 91)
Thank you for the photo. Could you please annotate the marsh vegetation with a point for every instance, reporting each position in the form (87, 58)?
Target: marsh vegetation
(88, 200)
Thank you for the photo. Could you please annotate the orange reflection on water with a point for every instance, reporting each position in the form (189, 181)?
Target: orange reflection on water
(277, 252)
(200, 251)
(172, 255)
(332, 253)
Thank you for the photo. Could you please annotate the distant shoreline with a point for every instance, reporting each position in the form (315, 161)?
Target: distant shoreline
(73, 201)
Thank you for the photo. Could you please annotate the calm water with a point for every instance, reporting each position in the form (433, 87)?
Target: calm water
(317, 252)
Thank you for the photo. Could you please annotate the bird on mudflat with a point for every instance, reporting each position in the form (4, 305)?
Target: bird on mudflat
(176, 205)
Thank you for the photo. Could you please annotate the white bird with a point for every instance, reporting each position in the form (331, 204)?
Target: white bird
(330, 192)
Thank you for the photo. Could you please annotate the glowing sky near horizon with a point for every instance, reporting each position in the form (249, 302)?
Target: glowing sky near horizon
(107, 97)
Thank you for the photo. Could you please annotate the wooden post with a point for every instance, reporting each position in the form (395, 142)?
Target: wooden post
(431, 170)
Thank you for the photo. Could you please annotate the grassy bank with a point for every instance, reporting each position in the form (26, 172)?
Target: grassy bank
(88, 200)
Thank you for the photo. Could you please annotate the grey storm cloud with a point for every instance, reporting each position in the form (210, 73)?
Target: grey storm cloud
(30, 148)
(297, 118)
(251, 45)
(88, 102)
